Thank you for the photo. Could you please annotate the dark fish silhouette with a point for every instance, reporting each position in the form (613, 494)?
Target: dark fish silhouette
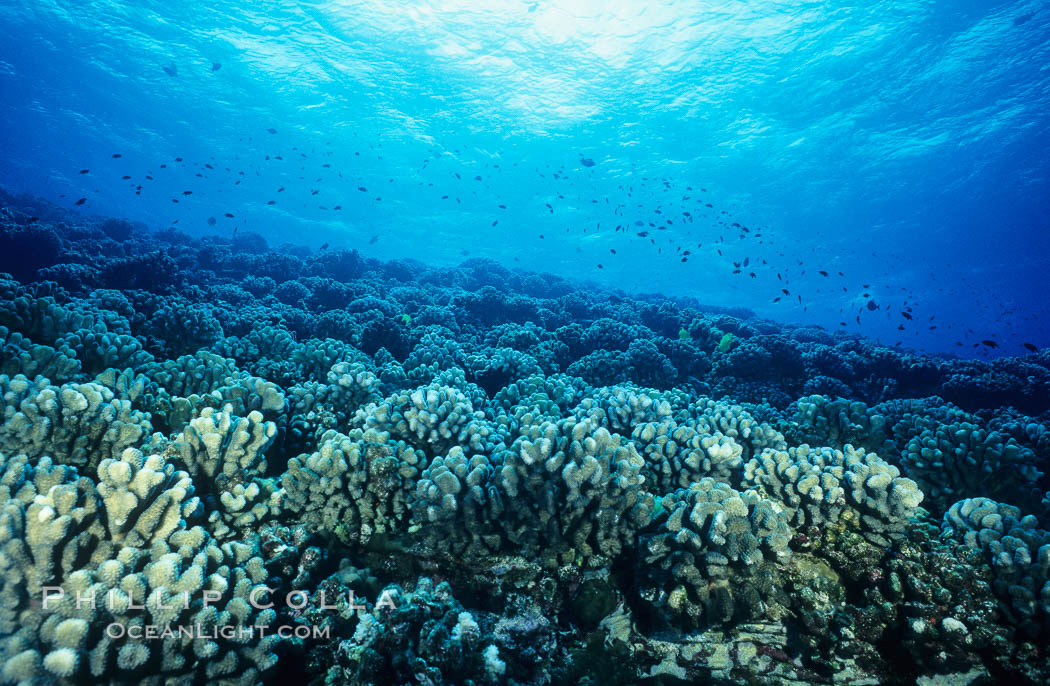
(990, 344)
(1030, 347)
(81, 201)
(85, 171)
(587, 161)
(216, 66)
(229, 215)
(171, 69)
(373, 239)
(872, 306)
(117, 155)
(271, 130)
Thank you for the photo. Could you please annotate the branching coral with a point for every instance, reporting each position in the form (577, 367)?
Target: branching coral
(84, 572)
(707, 562)
(823, 487)
(78, 424)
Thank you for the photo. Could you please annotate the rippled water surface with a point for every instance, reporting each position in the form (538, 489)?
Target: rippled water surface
(901, 144)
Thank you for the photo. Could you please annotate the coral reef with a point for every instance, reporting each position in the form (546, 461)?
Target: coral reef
(343, 470)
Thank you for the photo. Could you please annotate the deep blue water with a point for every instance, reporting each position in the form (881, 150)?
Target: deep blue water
(901, 144)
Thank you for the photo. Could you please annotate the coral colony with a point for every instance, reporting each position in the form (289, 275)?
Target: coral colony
(224, 462)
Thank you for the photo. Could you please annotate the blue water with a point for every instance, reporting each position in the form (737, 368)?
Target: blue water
(902, 144)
